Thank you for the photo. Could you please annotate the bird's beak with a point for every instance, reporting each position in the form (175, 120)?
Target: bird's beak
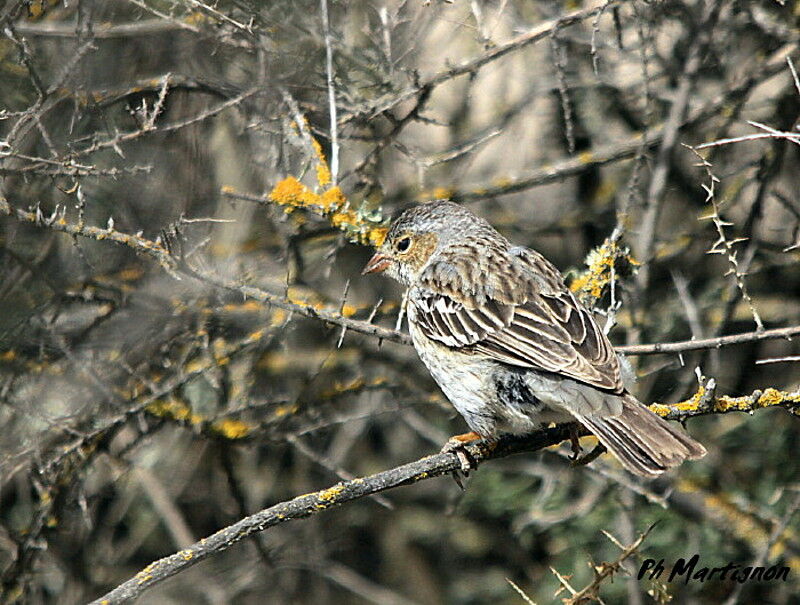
(377, 264)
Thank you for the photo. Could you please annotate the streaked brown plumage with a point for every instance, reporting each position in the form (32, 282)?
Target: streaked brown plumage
(509, 344)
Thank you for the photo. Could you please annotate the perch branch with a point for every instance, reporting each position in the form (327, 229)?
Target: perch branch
(704, 402)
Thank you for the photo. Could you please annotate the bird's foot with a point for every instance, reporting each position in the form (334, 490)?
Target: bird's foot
(457, 445)
(574, 441)
(591, 456)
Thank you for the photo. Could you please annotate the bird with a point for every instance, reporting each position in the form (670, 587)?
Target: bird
(510, 345)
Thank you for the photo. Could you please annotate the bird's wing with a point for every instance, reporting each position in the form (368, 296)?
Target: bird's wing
(541, 325)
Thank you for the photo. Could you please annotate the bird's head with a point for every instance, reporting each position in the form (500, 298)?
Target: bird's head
(418, 236)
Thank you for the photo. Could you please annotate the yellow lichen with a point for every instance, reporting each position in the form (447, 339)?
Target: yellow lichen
(285, 410)
(690, 405)
(332, 204)
(329, 495)
(195, 365)
(278, 317)
(726, 403)
(291, 192)
(608, 261)
(131, 274)
(341, 388)
(437, 193)
(333, 199)
(257, 335)
(771, 397)
(376, 235)
(273, 361)
(660, 409)
(328, 201)
(323, 172)
(196, 18)
(247, 306)
(232, 429)
(349, 310)
(173, 409)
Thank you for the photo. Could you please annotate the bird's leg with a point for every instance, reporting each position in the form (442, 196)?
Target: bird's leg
(574, 440)
(591, 456)
(576, 459)
(456, 445)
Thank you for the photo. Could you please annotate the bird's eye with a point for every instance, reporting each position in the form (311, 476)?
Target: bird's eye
(403, 244)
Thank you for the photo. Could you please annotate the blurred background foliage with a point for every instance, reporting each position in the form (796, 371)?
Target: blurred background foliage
(144, 408)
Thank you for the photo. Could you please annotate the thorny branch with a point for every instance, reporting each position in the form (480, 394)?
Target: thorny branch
(175, 267)
(723, 245)
(420, 470)
(540, 32)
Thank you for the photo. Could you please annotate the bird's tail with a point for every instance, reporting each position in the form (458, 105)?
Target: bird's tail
(644, 443)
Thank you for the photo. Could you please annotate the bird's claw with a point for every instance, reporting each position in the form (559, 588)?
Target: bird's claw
(466, 461)
(590, 457)
(457, 445)
(575, 443)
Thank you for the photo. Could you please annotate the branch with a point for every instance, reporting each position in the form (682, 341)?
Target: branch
(145, 27)
(705, 401)
(540, 32)
(677, 112)
(425, 468)
(682, 346)
(310, 504)
(626, 149)
(571, 166)
(156, 251)
(334, 134)
(602, 572)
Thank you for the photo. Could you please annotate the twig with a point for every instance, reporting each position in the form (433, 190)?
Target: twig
(633, 147)
(723, 245)
(520, 592)
(560, 63)
(165, 17)
(708, 343)
(539, 32)
(326, 28)
(330, 466)
(786, 358)
(675, 120)
(604, 571)
(310, 504)
(794, 74)
(218, 15)
(359, 585)
(422, 469)
(161, 255)
(565, 168)
(124, 137)
(794, 137)
(776, 534)
(145, 27)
